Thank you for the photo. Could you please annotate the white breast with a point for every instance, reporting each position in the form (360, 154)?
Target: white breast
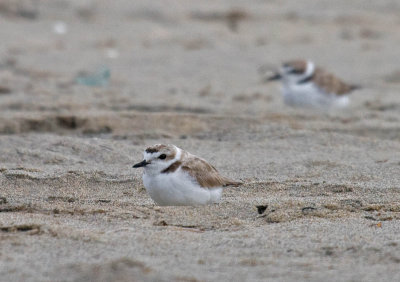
(308, 95)
(178, 189)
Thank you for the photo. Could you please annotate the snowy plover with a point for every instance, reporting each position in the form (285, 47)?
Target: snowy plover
(306, 85)
(174, 177)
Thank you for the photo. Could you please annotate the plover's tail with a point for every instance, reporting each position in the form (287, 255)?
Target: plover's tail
(355, 87)
(230, 182)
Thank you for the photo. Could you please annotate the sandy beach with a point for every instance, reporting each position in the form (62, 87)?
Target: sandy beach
(86, 86)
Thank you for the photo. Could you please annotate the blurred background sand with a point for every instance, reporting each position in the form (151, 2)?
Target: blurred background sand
(85, 86)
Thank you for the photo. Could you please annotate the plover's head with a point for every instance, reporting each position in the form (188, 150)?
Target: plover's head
(295, 72)
(159, 157)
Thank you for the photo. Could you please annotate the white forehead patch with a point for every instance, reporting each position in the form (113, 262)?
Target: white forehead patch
(149, 156)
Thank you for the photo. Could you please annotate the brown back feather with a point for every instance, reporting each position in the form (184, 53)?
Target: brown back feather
(330, 83)
(205, 174)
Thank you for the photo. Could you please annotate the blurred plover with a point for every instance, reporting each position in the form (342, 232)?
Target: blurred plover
(306, 85)
(174, 177)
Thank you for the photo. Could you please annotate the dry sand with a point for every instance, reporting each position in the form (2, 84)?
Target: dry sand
(191, 73)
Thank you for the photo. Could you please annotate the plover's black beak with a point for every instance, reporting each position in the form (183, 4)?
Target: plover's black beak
(276, 76)
(141, 164)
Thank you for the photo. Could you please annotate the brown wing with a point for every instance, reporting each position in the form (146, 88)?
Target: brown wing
(205, 174)
(330, 83)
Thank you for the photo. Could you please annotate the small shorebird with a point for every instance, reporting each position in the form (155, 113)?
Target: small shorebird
(305, 85)
(174, 177)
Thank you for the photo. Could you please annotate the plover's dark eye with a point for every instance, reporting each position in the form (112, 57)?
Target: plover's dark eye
(162, 156)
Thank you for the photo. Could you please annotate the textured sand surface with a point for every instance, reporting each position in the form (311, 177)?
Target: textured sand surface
(191, 73)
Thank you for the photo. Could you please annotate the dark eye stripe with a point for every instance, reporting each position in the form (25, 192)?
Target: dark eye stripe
(296, 71)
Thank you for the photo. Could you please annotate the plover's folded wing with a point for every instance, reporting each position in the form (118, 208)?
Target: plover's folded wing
(205, 174)
(331, 84)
